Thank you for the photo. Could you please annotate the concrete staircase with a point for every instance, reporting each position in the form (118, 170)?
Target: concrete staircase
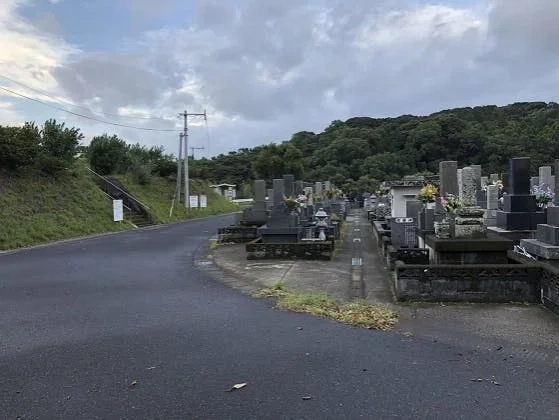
(135, 212)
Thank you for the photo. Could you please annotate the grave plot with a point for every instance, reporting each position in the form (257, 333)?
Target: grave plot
(466, 258)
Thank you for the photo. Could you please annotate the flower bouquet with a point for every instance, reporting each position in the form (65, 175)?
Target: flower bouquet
(427, 194)
(544, 195)
(450, 203)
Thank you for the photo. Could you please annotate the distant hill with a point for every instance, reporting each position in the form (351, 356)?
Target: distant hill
(362, 151)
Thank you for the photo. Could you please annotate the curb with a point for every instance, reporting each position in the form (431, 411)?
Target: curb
(101, 235)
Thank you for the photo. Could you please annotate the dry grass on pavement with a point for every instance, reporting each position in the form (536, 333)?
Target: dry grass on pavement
(359, 314)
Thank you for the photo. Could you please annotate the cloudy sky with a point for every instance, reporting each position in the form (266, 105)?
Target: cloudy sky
(265, 69)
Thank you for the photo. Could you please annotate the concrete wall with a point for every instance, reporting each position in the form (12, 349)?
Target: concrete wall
(468, 283)
(399, 197)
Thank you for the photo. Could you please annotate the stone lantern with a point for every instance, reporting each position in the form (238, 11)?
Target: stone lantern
(321, 222)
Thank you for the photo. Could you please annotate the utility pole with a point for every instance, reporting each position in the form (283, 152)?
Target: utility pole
(179, 172)
(185, 115)
(192, 149)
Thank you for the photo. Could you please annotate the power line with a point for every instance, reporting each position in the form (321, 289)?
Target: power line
(48, 95)
(87, 117)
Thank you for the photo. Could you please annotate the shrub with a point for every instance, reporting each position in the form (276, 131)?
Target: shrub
(60, 143)
(108, 154)
(19, 146)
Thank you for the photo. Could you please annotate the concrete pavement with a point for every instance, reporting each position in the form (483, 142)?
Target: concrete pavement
(527, 331)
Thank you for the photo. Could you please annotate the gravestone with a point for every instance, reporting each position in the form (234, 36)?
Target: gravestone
(477, 174)
(299, 188)
(545, 176)
(327, 186)
(519, 206)
(535, 180)
(288, 186)
(460, 182)
(546, 244)
(481, 198)
(484, 181)
(257, 214)
(403, 232)
(493, 178)
(448, 181)
(468, 222)
(318, 187)
(270, 201)
(490, 216)
(282, 225)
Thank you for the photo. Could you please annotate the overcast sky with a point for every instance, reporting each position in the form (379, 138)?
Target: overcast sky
(265, 69)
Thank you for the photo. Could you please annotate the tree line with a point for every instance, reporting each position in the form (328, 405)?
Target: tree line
(361, 152)
(53, 149)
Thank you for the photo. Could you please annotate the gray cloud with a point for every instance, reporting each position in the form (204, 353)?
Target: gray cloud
(281, 66)
(118, 80)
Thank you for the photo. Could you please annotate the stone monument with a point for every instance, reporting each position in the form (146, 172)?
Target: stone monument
(468, 222)
(519, 206)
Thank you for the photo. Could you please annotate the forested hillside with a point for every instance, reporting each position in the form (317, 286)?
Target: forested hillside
(360, 152)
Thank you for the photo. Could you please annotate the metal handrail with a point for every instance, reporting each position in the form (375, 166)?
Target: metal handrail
(111, 198)
(118, 188)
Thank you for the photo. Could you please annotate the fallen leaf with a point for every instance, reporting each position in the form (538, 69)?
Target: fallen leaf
(306, 397)
(408, 334)
(299, 328)
(151, 368)
(477, 380)
(134, 382)
(237, 386)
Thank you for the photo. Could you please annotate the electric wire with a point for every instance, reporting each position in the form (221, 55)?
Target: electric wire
(88, 117)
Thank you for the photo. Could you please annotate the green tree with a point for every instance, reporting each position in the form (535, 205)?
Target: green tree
(19, 146)
(108, 154)
(59, 146)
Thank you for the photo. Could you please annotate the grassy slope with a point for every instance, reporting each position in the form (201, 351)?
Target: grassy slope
(158, 195)
(36, 210)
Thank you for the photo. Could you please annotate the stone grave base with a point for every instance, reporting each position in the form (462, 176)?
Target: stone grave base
(541, 249)
(280, 234)
(490, 250)
(519, 220)
(237, 234)
(468, 283)
(513, 235)
(310, 250)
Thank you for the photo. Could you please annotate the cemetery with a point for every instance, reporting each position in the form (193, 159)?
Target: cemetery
(462, 236)
(293, 219)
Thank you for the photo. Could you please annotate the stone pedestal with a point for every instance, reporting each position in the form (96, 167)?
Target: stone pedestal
(489, 250)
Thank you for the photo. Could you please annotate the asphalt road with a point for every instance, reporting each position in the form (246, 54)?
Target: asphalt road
(127, 327)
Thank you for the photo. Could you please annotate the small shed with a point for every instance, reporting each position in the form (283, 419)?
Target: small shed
(228, 191)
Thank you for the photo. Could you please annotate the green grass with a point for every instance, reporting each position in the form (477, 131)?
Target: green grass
(359, 314)
(35, 210)
(158, 196)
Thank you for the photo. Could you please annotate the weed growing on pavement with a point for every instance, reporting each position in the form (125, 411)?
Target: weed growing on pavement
(359, 314)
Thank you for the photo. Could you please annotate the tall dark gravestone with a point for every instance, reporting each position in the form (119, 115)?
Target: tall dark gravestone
(519, 206)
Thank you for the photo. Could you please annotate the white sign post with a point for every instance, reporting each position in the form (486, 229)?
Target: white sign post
(193, 201)
(203, 201)
(118, 211)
